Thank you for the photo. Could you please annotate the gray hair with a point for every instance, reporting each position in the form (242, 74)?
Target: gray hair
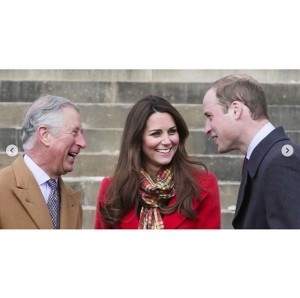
(45, 110)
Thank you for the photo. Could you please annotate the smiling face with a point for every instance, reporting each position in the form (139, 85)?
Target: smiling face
(160, 142)
(220, 125)
(65, 144)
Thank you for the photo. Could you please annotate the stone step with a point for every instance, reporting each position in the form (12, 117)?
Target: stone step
(107, 141)
(114, 115)
(97, 115)
(129, 92)
(271, 76)
(226, 167)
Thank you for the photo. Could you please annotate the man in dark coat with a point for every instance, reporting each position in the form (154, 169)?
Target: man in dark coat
(236, 118)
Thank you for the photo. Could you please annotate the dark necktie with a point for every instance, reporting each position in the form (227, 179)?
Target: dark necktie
(53, 203)
(245, 164)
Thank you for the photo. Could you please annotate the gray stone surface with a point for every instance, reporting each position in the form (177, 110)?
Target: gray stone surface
(103, 115)
(272, 76)
(226, 167)
(226, 220)
(130, 92)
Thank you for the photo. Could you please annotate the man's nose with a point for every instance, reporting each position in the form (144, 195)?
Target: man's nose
(81, 141)
(207, 128)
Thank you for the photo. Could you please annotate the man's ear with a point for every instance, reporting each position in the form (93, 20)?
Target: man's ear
(43, 134)
(237, 107)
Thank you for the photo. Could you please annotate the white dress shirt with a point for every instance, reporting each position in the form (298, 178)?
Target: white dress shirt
(259, 137)
(40, 176)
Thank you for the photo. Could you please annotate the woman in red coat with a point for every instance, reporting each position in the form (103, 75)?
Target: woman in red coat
(155, 184)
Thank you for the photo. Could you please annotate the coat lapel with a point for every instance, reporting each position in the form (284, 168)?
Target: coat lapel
(29, 194)
(69, 206)
(241, 194)
(254, 162)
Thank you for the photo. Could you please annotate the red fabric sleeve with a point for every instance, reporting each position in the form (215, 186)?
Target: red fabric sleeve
(210, 209)
(99, 222)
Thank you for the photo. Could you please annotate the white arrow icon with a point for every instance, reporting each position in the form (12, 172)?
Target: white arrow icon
(11, 150)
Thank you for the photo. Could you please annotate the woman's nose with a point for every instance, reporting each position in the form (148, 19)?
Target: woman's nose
(166, 140)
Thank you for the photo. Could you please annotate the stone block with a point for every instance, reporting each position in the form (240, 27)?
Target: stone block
(12, 114)
(98, 75)
(114, 115)
(286, 116)
(88, 218)
(10, 136)
(130, 92)
(225, 167)
(226, 220)
(264, 76)
(284, 76)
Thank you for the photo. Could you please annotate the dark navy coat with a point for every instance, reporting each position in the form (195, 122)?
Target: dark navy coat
(269, 195)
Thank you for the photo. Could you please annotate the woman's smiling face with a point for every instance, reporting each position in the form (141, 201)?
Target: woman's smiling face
(160, 142)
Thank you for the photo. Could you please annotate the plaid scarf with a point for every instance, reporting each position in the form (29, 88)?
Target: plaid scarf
(152, 192)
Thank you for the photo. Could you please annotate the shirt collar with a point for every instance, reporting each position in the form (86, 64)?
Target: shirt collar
(263, 132)
(39, 175)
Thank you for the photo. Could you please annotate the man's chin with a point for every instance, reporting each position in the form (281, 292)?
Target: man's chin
(222, 150)
(67, 170)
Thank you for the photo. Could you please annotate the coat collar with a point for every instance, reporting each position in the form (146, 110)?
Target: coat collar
(29, 194)
(263, 147)
(70, 200)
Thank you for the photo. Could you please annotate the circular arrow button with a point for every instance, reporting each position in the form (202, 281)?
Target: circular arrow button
(11, 150)
(287, 150)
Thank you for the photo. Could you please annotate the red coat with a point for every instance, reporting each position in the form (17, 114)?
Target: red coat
(207, 208)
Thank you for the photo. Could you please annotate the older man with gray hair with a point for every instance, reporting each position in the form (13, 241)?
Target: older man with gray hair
(32, 193)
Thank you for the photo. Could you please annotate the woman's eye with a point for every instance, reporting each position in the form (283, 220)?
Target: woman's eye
(155, 133)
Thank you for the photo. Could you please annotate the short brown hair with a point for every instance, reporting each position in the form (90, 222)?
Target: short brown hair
(242, 88)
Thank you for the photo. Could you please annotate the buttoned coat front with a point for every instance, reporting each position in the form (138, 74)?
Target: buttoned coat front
(22, 205)
(269, 195)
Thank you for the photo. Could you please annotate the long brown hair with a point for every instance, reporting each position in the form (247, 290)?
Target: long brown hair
(122, 194)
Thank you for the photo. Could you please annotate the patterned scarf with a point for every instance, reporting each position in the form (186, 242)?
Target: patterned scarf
(152, 194)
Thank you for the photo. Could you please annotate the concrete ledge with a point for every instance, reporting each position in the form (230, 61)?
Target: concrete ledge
(130, 92)
(108, 141)
(290, 76)
(225, 167)
(103, 115)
